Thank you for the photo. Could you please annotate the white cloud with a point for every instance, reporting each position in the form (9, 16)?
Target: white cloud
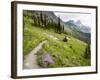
(83, 17)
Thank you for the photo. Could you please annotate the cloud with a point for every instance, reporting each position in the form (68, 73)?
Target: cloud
(84, 18)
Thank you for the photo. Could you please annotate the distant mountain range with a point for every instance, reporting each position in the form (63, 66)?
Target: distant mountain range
(79, 30)
(79, 26)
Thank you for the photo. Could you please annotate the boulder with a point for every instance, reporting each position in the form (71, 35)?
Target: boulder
(65, 39)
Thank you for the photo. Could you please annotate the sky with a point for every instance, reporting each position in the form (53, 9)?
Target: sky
(83, 17)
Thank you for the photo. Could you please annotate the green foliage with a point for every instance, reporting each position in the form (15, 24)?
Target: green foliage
(87, 53)
(64, 54)
(31, 40)
(59, 25)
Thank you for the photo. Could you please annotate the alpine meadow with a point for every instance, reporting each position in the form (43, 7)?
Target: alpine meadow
(52, 40)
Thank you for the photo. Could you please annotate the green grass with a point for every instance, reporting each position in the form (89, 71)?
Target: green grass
(67, 54)
(64, 54)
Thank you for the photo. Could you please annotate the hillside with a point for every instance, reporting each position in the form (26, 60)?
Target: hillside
(42, 26)
(79, 30)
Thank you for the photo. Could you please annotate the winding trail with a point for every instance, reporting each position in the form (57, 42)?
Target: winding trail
(30, 61)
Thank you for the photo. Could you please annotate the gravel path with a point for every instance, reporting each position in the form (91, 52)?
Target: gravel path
(30, 61)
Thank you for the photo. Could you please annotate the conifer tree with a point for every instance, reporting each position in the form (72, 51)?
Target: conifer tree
(38, 21)
(87, 52)
(45, 21)
(59, 25)
(41, 18)
(63, 28)
(34, 18)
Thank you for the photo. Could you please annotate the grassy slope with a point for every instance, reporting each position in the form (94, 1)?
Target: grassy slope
(64, 53)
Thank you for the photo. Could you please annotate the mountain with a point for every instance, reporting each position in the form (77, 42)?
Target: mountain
(52, 18)
(75, 29)
(79, 26)
(83, 28)
(79, 30)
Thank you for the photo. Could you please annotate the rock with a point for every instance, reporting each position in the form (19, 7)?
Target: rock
(65, 39)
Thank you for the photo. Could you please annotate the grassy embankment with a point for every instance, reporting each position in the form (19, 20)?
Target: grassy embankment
(64, 54)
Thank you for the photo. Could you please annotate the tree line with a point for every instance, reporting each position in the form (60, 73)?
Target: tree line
(42, 20)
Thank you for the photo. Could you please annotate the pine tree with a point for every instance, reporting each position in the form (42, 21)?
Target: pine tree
(63, 28)
(38, 21)
(41, 18)
(59, 25)
(45, 21)
(55, 27)
(34, 18)
(87, 52)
